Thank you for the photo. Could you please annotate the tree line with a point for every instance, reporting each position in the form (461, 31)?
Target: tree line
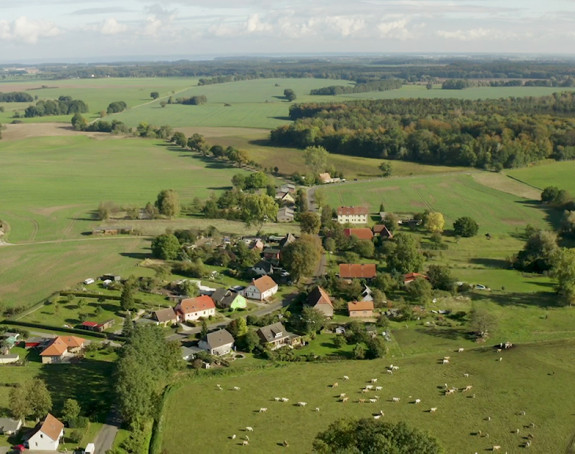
(16, 96)
(64, 105)
(492, 134)
(378, 85)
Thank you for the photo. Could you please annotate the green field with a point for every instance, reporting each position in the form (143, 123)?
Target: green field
(197, 414)
(551, 173)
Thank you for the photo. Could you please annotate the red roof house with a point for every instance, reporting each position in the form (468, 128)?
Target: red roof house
(360, 309)
(360, 233)
(195, 308)
(357, 270)
(410, 277)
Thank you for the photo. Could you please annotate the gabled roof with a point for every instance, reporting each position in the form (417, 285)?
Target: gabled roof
(352, 211)
(219, 338)
(357, 270)
(264, 283)
(10, 425)
(381, 229)
(360, 306)
(165, 315)
(61, 344)
(197, 304)
(229, 299)
(410, 277)
(272, 332)
(318, 296)
(219, 295)
(289, 238)
(360, 233)
(51, 427)
(90, 324)
(264, 265)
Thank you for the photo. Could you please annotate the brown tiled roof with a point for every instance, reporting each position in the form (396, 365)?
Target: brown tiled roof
(357, 270)
(360, 306)
(51, 427)
(410, 277)
(360, 233)
(200, 303)
(264, 283)
(165, 315)
(61, 344)
(318, 296)
(351, 211)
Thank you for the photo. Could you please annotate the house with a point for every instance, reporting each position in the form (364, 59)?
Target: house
(410, 277)
(190, 309)
(166, 317)
(9, 359)
(285, 198)
(360, 309)
(288, 239)
(352, 215)
(367, 294)
(9, 426)
(271, 253)
(275, 336)
(98, 327)
(261, 289)
(319, 300)
(325, 178)
(357, 270)
(47, 435)
(256, 244)
(62, 349)
(217, 343)
(263, 268)
(359, 233)
(285, 214)
(234, 301)
(382, 231)
(288, 187)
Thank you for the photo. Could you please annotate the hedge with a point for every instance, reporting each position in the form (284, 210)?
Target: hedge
(65, 330)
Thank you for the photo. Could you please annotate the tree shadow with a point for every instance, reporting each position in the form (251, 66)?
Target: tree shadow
(136, 255)
(539, 299)
(445, 333)
(261, 142)
(491, 263)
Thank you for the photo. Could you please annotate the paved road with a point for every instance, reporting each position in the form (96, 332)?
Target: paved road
(105, 438)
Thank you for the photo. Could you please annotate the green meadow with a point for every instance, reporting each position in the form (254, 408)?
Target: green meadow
(552, 173)
(530, 378)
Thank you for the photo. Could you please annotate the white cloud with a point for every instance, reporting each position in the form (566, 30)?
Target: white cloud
(112, 27)
(345, 26)
(256, 25)
(396, 29)
(475, 34)
(27, 30)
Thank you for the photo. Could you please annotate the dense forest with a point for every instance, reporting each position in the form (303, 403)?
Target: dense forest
(492, 134)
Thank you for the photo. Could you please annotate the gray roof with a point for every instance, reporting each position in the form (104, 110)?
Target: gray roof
(272, 332)
(219, 295)
(219, 338)
(188, 352)
(228, 300)
(264, 265)
(9, 424)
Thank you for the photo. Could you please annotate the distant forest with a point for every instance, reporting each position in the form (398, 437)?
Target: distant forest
(491, 134)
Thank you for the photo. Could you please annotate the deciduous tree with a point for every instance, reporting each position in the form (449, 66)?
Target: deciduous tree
(166, 247)
(434, 222)
(309, 222)
(168, 203)
(465, 227)
(302, 256)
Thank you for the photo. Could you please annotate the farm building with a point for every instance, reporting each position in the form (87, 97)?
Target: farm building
(9, 426)
(275, 336)
(361, 309)
(382, 231)
(285, 214)
(217, 343)
(9, 359)
(359, 233)
(352, 215)
(97, 327)
(357, 270)
(261, 289)
(47, 435)
(320, 300)
(166, 317)
(191, 309)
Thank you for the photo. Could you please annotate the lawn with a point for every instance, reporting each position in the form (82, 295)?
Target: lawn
(196, 414)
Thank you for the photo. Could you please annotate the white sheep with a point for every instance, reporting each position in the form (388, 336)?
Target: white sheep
(345, 377)
(376, 416)
(316, 408)
(373, 380)
(432, 409)
(345, 399)
(302, 404)
(460, 350)
(277, 399)
(249, 429)
(342, 395)
(395, 399)
(372, 401)
(236, 388)
(285, 399)
(445, 361)
(417, 401)
(245, 443)
(378, 388)
(233, 436)
(263, 410)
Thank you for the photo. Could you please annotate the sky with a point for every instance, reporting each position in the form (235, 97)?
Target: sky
(107, 30)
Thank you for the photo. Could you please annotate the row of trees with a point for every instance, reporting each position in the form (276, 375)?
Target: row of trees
(16, 96)
(488, 134)
(192, 100)
(376, 85)
(64, 105)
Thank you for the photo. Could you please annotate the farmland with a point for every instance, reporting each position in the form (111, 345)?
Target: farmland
(558, 174)
(502, 390)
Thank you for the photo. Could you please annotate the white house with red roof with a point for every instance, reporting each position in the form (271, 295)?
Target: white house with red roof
(47, 435)
(191, 309)
(352, 215)
(361, 309)
(261, 289)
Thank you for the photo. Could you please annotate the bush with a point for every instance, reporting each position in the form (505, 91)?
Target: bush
(75, 436)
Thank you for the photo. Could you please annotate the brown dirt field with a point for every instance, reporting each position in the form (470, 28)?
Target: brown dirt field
(26, 130)
(503, 183)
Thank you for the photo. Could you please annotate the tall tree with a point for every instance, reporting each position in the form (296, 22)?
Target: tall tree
(465, 227)
(166, 247)
(406, 257)
(71, 411)
(168, 203)
(434, 222)
(302, 256)
(309, 222)
(259, 208)
(538, 253)
(564, 271)
(316, 159)
(127, 297)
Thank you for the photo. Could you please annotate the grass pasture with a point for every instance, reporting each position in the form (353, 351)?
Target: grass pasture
(552, 173)
(196, 414)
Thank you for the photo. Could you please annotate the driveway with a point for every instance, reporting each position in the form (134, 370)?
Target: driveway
(105, 438)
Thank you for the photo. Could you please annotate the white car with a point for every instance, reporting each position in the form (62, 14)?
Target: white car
(480, 287)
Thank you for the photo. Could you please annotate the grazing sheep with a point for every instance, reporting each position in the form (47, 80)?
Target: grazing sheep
(368, 386)
(249, 429)
(460, 350)
(373, 380)
(233, 437)
(500, 359)
(301, 404)
(432, 409)
(522, 413)
(345, 399)
(516, 431)
(245, 443)
(417, 401)
(496, 448)
(236, 388)
(277, 399)
(467, 388)
(376, 416)
(378, 388)
(365, 390)
(395, 367)
(445, 361)
(345, 377)
(316, 408)
(498, 350)
(389, 371)
(372, 401)
(381, 413)
(285, 444)
(219, 386)
(342, 395)
(532, 425)
(285, 399)
(246, 437)
(395, 399)
(447, 358)
(263, 410)
(361, 401)
(488, 418)
(527, 444)
(335, 385)
(449, 391)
